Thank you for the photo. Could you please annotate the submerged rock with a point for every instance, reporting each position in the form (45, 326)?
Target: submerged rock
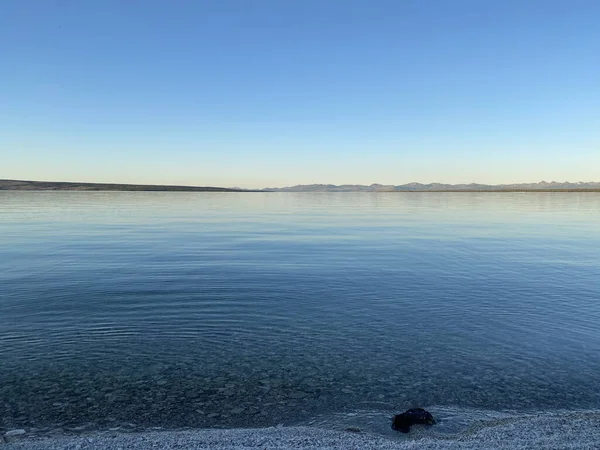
(13, 434)
(403, 422)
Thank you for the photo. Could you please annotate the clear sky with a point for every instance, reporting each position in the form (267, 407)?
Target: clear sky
(258, 93)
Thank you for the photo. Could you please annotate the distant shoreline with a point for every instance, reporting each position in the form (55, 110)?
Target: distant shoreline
(25, 185)
(502, 190)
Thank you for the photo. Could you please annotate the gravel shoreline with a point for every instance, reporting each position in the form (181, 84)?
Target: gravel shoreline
(565, 431)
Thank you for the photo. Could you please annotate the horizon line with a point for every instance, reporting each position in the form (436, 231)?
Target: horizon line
(329, 185)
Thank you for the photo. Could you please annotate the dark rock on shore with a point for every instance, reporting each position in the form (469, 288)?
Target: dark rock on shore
(403, 422)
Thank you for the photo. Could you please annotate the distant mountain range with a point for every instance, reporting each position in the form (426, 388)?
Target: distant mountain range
(439, 187)
(410, 187)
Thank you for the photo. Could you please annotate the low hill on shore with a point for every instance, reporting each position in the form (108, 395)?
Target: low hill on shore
(21, 185)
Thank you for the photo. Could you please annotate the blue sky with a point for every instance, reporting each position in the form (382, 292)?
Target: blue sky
(276, 92)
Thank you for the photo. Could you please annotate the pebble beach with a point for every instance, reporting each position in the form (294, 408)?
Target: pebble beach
(575, 430)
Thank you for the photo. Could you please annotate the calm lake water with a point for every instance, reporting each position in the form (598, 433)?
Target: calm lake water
(138, 310)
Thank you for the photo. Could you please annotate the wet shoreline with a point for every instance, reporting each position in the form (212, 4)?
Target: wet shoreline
(456, 429)
(566, 430)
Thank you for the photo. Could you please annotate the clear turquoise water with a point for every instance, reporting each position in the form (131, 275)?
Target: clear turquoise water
(251, 309)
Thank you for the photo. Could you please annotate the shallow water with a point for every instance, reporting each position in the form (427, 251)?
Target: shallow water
(139, 310)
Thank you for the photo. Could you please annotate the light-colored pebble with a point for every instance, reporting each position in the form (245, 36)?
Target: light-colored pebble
(14, 433)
